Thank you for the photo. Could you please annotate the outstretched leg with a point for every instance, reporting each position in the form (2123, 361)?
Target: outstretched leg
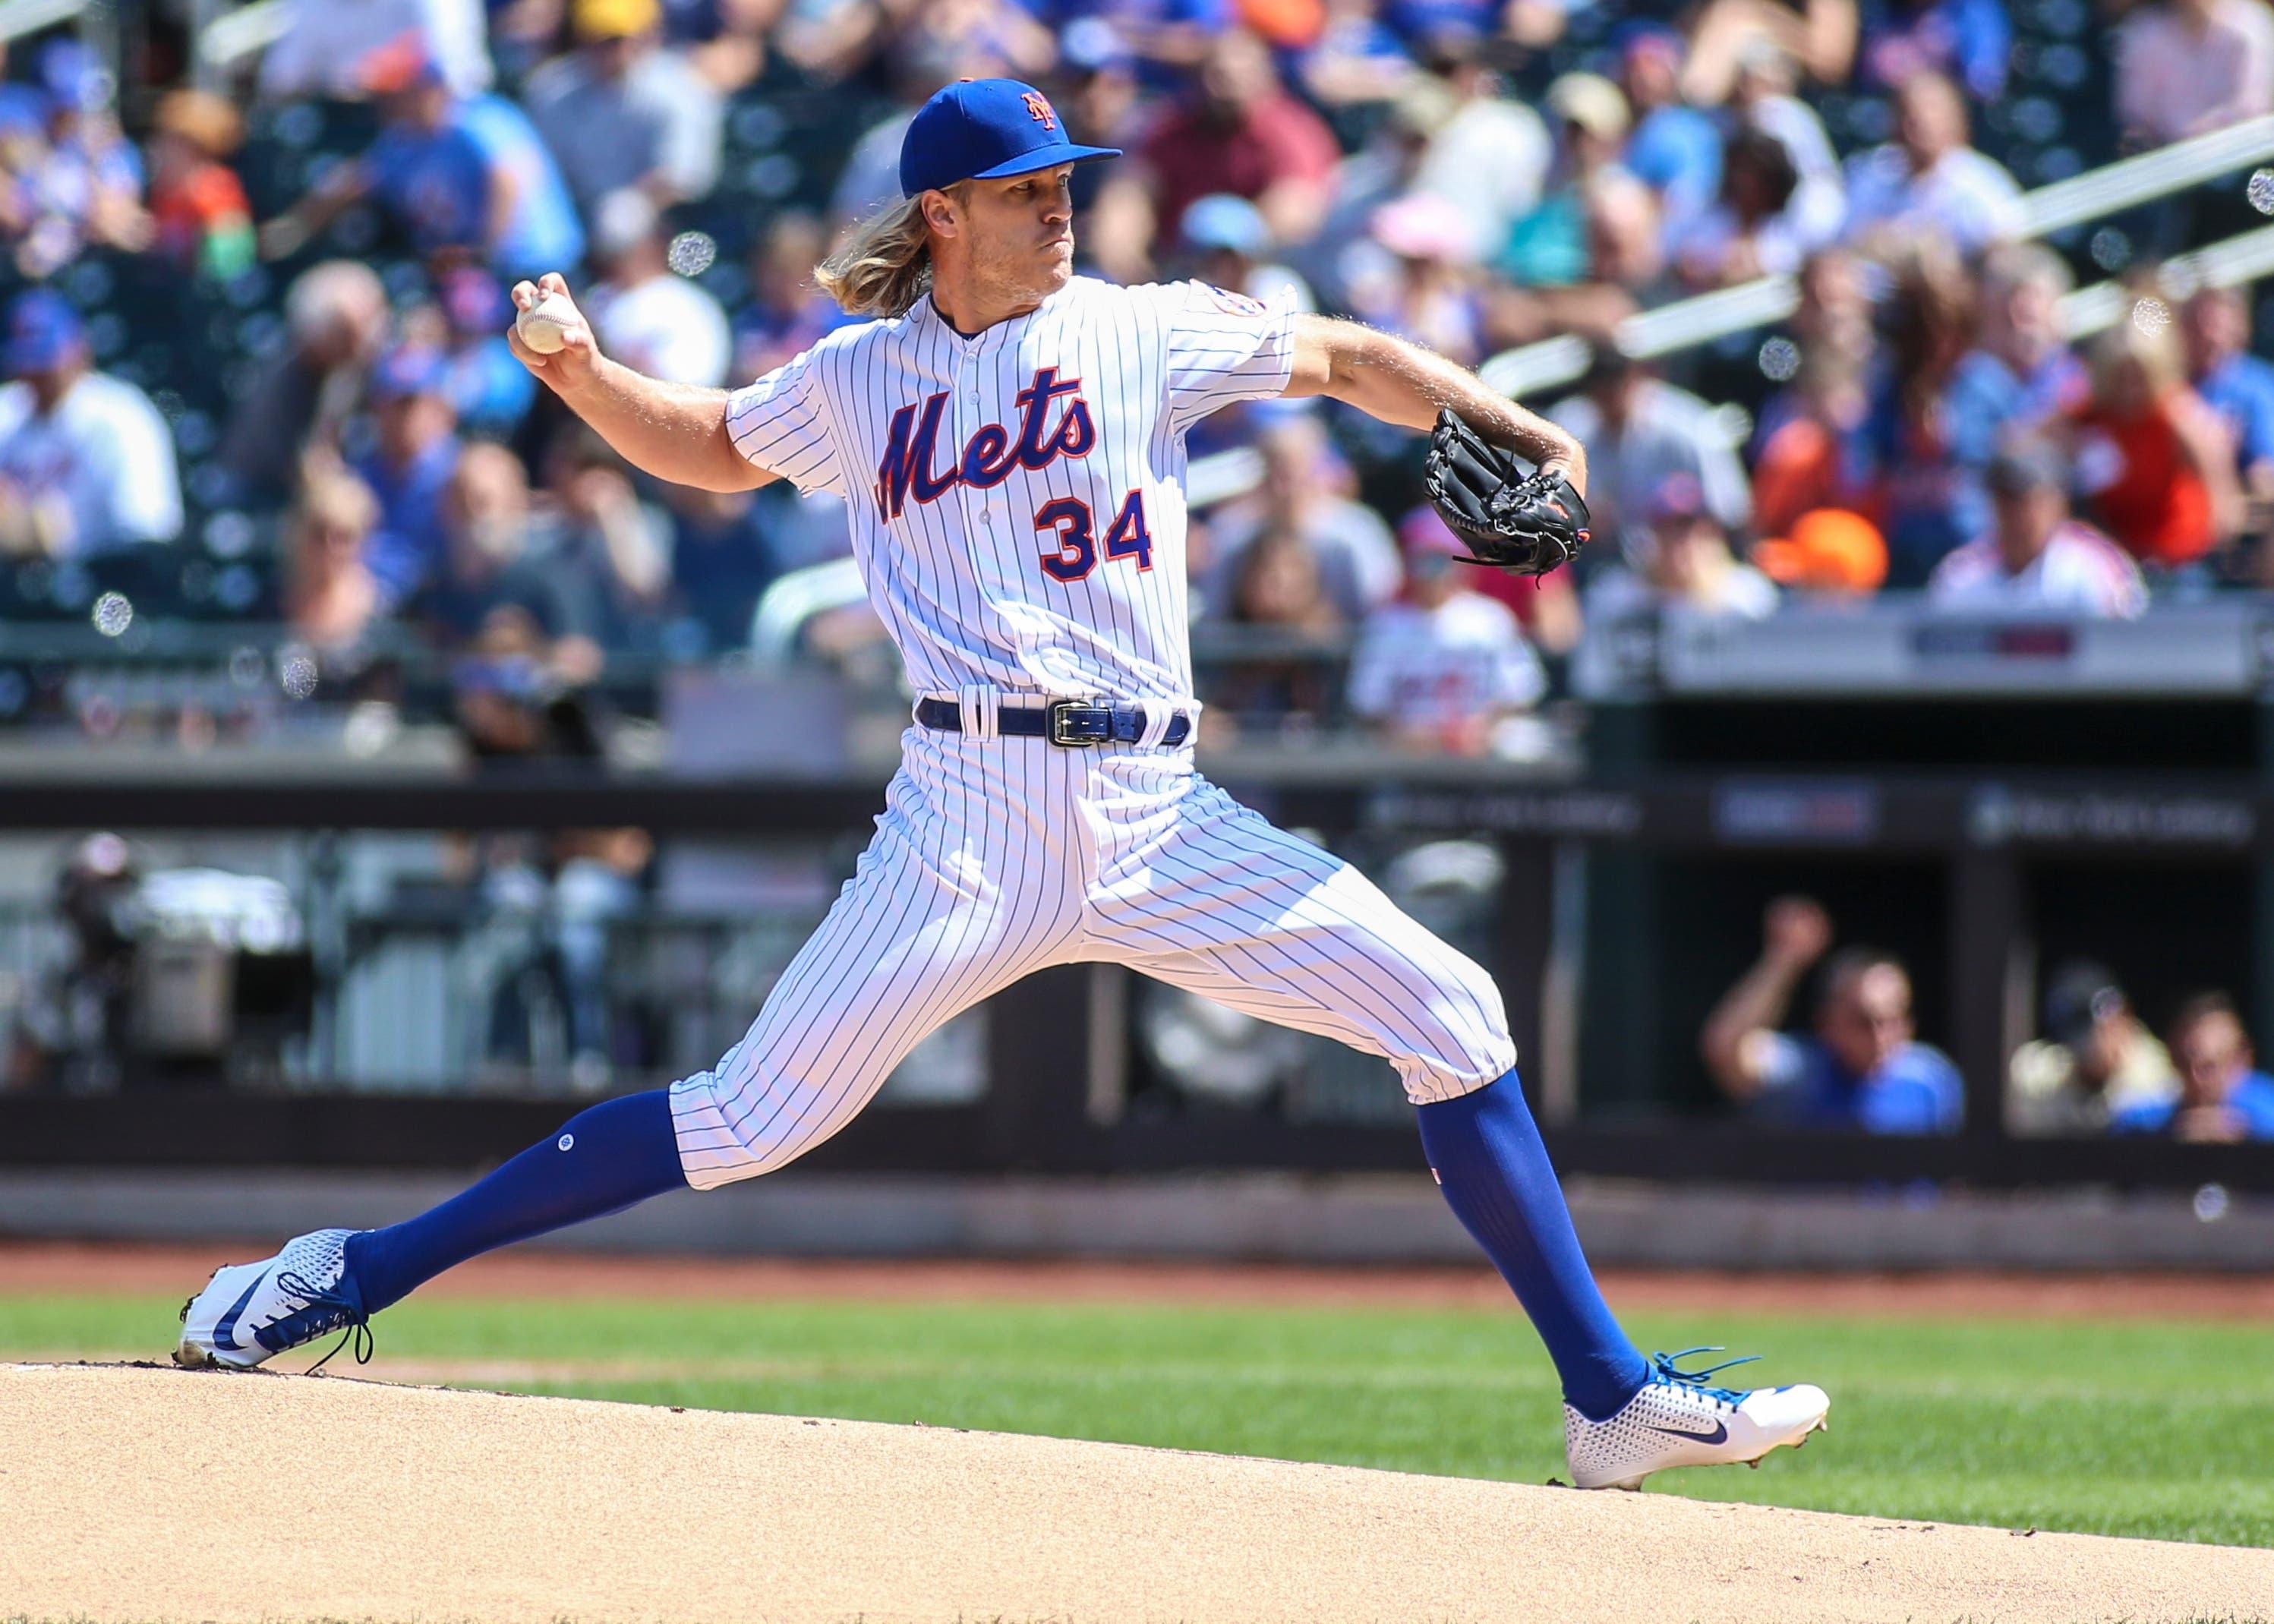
(617, 1152)
(1267, 923)
(1224, 904)
(936, 917)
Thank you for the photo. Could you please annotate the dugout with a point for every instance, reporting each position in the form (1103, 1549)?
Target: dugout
(1980, 878)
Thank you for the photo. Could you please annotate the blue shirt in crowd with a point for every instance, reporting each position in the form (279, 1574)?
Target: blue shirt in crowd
(407, 545)
(23, 110)
(541, 232)
(721, 565)
(1917, 1090)
(2240, 389)
(489, 390)
(1972, 40)
(1420, 21)
(1677, 152)
(1986, 398)
(2253, 1101)
(437, 181)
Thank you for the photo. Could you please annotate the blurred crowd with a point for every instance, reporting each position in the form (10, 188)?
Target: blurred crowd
(2097, 1068)
(1476, 174)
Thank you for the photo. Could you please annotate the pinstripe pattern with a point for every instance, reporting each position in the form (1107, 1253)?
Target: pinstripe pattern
(1206, 894)
(966, 887)
(956, 578)
(998, 856)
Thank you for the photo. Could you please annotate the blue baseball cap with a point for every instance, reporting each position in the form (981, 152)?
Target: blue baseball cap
(73, 74)
(43, 330)
(986, 129)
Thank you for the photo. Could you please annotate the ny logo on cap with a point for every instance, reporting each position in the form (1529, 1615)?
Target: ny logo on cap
(1044, 113)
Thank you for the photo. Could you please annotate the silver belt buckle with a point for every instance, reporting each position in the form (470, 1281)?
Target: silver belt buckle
(1061, 719)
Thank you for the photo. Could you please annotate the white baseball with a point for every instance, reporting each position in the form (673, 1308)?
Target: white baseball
(542, 325)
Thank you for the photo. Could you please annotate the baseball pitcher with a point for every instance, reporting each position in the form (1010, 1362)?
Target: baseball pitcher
(1010, 441)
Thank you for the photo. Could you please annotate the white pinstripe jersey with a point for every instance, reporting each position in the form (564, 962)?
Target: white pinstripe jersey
(1017, 497)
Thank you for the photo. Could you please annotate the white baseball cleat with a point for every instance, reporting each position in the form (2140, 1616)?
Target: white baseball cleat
(250, 1312)
(1677, 1420)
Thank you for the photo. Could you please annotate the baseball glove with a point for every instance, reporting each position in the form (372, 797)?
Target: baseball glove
(1525, 523)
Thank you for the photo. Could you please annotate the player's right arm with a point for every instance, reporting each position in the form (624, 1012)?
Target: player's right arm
(674, 432)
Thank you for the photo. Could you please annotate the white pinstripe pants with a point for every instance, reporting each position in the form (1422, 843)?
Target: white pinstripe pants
(995, 858)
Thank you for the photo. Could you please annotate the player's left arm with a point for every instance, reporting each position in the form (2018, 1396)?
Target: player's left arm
(1400, 382)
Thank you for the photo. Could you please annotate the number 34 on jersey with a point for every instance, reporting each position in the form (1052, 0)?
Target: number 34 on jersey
(1069, 518)
(911, 454)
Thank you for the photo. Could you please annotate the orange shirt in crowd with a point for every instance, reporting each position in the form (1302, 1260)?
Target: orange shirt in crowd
(208, 200)
(2153, 501)
(1800, 469)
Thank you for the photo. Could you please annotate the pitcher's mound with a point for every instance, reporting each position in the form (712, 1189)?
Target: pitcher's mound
(150, 1493)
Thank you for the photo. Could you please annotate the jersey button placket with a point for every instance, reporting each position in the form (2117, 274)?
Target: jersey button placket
(985, 511)
(976, 504)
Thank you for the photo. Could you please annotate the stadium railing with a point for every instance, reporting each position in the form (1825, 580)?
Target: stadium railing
(18, 17)
(1686, 323)
(224, 38)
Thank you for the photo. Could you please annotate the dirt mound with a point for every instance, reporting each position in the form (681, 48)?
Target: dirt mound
(156, 1494)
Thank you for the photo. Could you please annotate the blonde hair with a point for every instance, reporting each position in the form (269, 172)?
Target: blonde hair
(2155, 347)
(884, 267)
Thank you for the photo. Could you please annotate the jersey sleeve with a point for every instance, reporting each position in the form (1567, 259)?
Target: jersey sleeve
(1223, 347)
(781, 422)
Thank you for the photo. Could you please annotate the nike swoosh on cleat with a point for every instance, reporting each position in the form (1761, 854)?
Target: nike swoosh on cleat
(223, 1333)
(1720, 1433)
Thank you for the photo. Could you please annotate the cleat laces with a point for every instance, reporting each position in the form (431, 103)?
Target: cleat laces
(322, 1311)
(1666, 1368)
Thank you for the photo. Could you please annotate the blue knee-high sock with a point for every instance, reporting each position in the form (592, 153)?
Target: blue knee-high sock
(1487, 1156)
(618, 1152)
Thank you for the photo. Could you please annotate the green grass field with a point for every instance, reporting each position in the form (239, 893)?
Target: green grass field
(2115, 1428)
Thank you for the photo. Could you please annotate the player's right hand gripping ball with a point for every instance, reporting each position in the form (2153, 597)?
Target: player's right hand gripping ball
(544, 326)
(1525, 523)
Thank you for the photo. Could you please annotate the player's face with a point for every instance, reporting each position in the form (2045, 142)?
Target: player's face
(1023, 230)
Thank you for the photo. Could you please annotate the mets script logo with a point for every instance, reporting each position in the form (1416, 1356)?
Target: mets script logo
(1045, 114)
(912, 445)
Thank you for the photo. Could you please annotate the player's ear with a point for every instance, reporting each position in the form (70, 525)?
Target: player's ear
(940, 212)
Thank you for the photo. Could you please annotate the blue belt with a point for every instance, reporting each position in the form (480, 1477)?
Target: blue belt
(1074, 723)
